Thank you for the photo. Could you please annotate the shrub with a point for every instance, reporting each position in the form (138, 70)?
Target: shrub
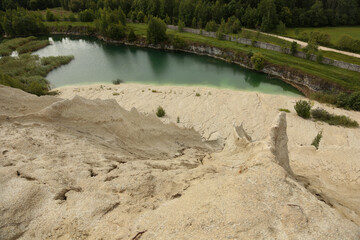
(156, 30)
(258, 61)
(181, 26)
(178, 119)
(160, 112)
(346, 42)
(72, 17)
(284, 110)
(302, 109)
(317, 139)
(117, 81)
(294, 47)
(50, 17)
(177, 42)
(281, 28)
(319, 57)
(116, 31)
(197, 95)
(211, 26)
(331, 119)
(140, 17)
(86, 16)
(250, 54)
(131, 36)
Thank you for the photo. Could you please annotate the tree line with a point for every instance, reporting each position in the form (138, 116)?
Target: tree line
(261, 14)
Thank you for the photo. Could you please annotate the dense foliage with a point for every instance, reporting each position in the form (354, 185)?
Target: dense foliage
(303, 108)
(156, 31)
(20, 22)
(27, 71)
(266, 15)
(337, 120)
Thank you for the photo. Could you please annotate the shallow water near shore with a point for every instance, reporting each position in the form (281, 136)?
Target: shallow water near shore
(99, 62)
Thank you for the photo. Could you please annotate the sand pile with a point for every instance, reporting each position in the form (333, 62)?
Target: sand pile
(89, 169)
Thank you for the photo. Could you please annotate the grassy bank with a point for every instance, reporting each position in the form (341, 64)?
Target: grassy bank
(27, 71)
(346, 79)
(21, 45)
(335, 33)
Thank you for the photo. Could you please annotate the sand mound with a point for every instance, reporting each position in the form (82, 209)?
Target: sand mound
(88, 169)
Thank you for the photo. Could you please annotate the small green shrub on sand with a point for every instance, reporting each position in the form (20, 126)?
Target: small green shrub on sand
(284, 110)
(337, 120)
(317, 139)
(302, 109)
(160, 112)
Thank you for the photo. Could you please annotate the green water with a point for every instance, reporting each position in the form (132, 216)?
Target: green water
(98, 62)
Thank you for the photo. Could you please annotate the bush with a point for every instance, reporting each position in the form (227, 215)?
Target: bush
(50, 17)
(140, 17)
(319, 57)
(160, 112)
(284, 110)
(131, 36)
(156, 30)
(258, 61)
(181, 26)
(331, 119)
(117, 81)
(302, 109)
(116, 31)
(294, 47)
(321, 38)
(197, 95)
(346, 42)
(317, 139)
(86, 16)
(177, 42)
(211, 26)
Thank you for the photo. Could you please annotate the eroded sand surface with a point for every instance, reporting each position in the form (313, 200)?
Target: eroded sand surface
(82, 168)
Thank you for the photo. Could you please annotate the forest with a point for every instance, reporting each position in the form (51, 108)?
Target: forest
(260, 14)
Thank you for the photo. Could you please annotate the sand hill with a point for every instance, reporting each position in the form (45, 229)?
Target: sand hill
(77, 167)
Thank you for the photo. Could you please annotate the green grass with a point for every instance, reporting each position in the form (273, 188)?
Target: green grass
(59, 12)
(341, 57)
(9, 45)
(66, 23)
(347, 79)
(334, 32)
(27, 71)
(32, 46)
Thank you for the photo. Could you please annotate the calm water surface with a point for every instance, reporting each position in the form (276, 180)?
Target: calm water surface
(98, 62)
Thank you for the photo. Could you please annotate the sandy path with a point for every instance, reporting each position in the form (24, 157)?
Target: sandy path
(303, 44)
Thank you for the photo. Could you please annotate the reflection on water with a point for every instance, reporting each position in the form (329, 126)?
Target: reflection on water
(97, 62)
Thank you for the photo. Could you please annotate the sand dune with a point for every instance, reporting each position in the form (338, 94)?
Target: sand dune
(77, 167)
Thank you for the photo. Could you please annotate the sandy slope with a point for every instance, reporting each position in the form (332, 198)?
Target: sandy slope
(89, 169)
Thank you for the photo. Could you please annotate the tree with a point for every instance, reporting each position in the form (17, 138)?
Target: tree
(140, 17)
(294, 47)
(50, 17)
(131, 36)
(211, 26)
(267, 9)
(258, 61)
(116, 31)
(181, 26)
(156, 30)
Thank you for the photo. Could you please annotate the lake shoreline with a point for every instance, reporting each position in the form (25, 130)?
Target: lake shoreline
(305, 83)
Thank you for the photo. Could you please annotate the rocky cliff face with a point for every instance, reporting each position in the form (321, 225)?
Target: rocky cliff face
(88, 169)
